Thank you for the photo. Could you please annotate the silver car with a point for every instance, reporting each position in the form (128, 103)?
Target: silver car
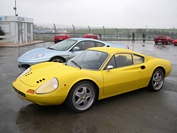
(61, 52)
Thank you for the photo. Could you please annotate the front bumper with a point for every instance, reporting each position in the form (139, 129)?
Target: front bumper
(52, 98)
(24, 64)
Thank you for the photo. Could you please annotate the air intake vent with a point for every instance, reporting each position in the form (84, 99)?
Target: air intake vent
(28, 74)
(40, 80)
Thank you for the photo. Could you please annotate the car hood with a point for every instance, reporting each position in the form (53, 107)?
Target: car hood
(32, 54)
(43, 72)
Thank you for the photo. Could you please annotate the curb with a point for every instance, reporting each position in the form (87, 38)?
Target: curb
(15, 46)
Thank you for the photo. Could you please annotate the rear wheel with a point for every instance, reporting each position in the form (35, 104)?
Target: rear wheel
(57, 59)
(81, 97)
(156, 42)
(157, 80)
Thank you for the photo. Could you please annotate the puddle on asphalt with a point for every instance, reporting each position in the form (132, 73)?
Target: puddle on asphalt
(162, 47)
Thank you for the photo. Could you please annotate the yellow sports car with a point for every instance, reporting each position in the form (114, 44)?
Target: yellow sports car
(95, 74)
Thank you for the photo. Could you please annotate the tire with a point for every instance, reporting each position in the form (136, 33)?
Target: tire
(81, 97)
(157, 80)
(57, 59)
(156, 42)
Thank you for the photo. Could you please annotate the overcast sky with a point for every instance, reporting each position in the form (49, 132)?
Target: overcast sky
(96, 13)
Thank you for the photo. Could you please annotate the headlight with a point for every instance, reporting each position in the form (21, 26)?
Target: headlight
(26, 71)
(48, 87)
(40, 55)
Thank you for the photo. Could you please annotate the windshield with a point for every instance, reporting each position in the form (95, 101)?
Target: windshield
(88, 60)
(63, 45)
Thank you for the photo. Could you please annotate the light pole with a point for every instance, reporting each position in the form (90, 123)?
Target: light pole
(15, 8)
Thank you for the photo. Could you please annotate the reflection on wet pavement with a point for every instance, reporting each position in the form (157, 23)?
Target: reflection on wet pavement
(139, 111)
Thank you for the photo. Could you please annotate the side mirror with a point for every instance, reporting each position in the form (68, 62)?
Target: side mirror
(75, 49)
(109, 67)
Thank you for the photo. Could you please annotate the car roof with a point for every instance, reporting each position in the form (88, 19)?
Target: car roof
(89, 34)
(163, 36)
(90, 39)
(112, 50)
(82, 39)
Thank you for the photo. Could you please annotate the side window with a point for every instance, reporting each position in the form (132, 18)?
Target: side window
(123, 60)
(98, 44)
(84, 45)
(80, 46)
(111, 62)
(138, 59)
(87, 44)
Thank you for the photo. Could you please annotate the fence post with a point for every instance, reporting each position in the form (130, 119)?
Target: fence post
(73, 30)
(89, 29)
(117, 33)
(104, 32)
(55, 28)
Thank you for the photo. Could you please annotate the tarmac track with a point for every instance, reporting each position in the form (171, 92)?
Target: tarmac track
(139, 111)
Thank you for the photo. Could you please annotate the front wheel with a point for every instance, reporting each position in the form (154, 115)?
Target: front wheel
(157, 80)
(81, 97)
(168, 42)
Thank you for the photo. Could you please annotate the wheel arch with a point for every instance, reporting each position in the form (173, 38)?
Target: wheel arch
(58, 57)
(91, 81)
(164, 72)
(160, 67)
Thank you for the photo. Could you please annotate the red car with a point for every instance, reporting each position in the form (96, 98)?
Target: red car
(175, 42)
(163, 40)
(90, 35)
(61, 37)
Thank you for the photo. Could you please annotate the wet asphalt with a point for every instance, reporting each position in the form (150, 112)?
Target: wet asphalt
(139, 111)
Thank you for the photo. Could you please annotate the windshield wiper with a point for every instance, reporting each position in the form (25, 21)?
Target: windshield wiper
(76, 64)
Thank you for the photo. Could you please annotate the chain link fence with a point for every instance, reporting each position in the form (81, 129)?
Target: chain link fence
(47, 33)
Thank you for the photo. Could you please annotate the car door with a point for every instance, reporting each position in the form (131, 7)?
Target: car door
(123, 77)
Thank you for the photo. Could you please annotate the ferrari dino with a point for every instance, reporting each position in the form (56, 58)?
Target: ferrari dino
(95, 74)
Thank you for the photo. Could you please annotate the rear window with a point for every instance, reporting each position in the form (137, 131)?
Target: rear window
(62, 34)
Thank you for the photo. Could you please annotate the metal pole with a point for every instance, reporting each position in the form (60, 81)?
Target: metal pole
(55, 28)
(104, 32)
(15, 8)
(73, 30)
(128, 33)
(117, 32)
(89, 29)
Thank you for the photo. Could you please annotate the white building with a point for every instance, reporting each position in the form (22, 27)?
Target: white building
(17, 29)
